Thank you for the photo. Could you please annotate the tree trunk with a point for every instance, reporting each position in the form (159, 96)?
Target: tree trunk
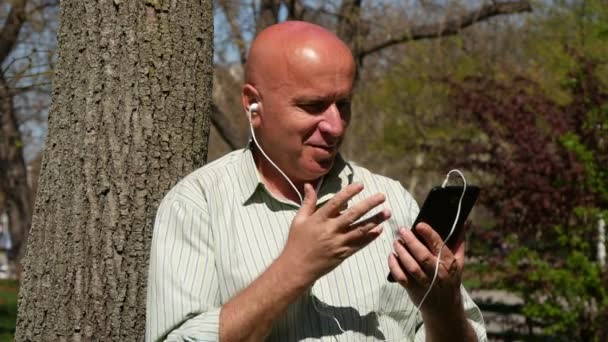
(129, 117)
(601, 242)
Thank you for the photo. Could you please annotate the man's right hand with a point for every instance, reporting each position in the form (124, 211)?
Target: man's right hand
(319, 240)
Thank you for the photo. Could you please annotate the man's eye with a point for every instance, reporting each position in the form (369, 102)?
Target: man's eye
(343, 105)
(314, 107)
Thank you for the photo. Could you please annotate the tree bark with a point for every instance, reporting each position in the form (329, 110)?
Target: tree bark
(129, 117)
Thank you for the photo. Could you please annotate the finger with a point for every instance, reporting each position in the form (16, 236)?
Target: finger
(361, 237)
(352, 214)
(434, 241)
(421, 254)
(361, 228)
(309, 202)
(459, 248)
(397, 272)
(430, 237)
(410, 265)
(334, 205)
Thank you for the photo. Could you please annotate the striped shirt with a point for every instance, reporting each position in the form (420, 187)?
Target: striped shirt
(220, 228)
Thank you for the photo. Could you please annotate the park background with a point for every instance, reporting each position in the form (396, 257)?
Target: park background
(514, 93)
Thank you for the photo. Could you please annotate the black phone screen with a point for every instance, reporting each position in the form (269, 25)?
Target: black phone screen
(440, 208)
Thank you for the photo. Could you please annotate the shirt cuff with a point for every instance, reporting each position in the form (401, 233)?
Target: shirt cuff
(203, 327)
(479, 329)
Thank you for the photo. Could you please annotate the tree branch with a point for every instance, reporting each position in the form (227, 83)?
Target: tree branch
(42, 6)
(224, 128)
(231, 11)
(451, 26)
(349, 21)
(295, 9)
(12, 26)
(352, 29)
(269, 15)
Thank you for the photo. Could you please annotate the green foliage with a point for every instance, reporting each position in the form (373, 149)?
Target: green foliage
(563, 287)
(8, 309)
(550, 177)
(553, 266)
(537, 140)
(560, 30)
(596, 175)
(412, 99)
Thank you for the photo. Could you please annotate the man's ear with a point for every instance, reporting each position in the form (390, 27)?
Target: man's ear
(250, 99)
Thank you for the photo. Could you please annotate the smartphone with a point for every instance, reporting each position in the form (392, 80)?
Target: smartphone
(439, 211)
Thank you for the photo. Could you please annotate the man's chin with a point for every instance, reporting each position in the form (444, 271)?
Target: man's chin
(326, 164)
(320, 168)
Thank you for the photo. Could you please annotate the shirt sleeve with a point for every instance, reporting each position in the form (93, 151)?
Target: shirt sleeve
(183, 301)
(473, 315)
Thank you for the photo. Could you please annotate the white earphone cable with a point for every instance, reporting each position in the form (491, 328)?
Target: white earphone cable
(268, 158)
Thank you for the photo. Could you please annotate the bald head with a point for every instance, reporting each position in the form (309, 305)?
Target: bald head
(300, 77)
(278, 48)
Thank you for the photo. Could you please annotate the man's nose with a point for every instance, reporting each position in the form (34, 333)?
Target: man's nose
(333, 123)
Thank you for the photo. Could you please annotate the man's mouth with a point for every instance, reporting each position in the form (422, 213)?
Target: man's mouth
(327, 148)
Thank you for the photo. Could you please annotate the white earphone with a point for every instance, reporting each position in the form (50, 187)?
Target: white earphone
(253, 108)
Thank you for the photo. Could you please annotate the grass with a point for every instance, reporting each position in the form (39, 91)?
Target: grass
(8, 309)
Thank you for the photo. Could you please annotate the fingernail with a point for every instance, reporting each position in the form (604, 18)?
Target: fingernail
(387, 213)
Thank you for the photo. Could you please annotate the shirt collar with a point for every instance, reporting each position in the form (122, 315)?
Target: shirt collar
(340, 175)
(250, 177)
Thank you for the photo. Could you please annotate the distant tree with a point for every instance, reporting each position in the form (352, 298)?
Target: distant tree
(13, 173)
(24, 94)
(129, 117)
(546, 186)
(370, 28)
(526, 116)
(541, 148)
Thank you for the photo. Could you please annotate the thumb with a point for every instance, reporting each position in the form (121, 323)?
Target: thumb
(459, 246)
(309, 202)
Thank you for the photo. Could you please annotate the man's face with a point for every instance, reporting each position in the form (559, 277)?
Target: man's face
(306, 110)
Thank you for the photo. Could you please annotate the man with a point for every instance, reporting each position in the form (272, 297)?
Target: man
(238, 255)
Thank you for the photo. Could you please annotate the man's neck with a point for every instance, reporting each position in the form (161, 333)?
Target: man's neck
(276, 182)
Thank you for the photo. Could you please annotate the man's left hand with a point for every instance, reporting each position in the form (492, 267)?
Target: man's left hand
(414, 264)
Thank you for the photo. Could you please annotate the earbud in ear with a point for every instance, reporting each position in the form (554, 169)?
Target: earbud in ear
(254, 107)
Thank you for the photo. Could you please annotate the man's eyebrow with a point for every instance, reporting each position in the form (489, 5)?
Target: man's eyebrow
(311, 98)
(328, 98)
